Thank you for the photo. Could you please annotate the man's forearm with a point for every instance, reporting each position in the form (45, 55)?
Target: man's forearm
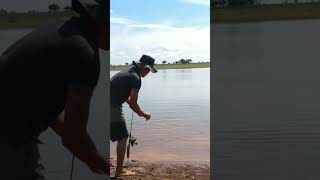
(83, 147)
(57, 125)
(80, 145)
(136, 108)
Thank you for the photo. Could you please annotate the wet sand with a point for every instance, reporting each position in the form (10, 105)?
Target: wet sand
(166, 170)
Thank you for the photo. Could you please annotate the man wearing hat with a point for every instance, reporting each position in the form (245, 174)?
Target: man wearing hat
(124, 87)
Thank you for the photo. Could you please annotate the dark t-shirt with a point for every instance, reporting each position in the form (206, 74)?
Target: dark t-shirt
(37, 70)
(121, 85)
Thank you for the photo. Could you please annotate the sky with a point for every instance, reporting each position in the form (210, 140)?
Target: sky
(167, 30)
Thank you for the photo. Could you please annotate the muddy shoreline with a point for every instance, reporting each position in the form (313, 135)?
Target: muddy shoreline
(166, 170)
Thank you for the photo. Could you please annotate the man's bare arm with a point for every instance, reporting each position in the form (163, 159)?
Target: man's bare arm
(133, 104)
(74, 132)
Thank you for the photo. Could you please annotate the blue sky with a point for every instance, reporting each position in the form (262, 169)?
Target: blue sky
(151, 11)
(165, 29)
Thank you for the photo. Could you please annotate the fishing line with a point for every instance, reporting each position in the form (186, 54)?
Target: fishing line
(72, 165)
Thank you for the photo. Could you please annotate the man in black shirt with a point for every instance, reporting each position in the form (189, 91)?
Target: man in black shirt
(124, 87)
(47, 79)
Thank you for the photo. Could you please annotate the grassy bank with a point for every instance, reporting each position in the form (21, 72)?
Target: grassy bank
(30, 20)
(167, 66)
(265, 13)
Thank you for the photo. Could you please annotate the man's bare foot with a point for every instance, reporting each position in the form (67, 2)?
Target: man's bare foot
(124, 172)
(112, 165)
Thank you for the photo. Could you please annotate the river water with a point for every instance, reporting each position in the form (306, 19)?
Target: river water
(179, 128)
(266, 106)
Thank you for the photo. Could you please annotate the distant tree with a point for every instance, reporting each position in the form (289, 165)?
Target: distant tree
(182, 61)
(54, 7)
(241, 3)
(3, 11)
(188, 61)
(164, 62)
(127, 64)
(67, 8)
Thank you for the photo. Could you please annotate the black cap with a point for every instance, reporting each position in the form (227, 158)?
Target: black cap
(97, 10)
(146, 61)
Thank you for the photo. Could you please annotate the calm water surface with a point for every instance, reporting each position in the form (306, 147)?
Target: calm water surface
(266, 109)
(178, 130)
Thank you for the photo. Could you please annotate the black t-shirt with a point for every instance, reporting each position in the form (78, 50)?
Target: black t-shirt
(121, 85)
(37, 70)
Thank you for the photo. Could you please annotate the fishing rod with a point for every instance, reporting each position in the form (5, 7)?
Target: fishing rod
(129, 142)
(132, 140)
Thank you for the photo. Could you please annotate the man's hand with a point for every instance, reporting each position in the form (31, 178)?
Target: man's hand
(147, 116)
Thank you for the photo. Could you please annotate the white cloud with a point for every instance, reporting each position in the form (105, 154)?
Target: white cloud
(119, 20)
(134, 24)
(162, 41)
(197, 2)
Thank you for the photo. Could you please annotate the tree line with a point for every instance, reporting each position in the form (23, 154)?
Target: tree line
(251, 3)
(51, 8)
(181, 61)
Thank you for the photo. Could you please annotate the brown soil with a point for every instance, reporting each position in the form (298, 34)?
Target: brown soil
(167, 170)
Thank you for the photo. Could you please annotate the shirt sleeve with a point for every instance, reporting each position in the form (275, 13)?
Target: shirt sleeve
(84, 67)
(136, 82)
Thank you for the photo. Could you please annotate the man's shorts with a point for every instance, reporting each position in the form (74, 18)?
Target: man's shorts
(20, 161)
(118, 127)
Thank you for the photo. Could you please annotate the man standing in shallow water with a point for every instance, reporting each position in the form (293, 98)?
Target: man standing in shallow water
(124, 87)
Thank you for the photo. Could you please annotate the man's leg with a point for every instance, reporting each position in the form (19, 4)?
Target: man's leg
(121, 151)
(20, 161)
(119, 133)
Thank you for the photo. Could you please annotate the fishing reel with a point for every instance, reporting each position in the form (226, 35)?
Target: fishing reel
(133, 141)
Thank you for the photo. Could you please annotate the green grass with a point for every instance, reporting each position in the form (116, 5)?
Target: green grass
(167, 66)
(31, 20)
(266, 13)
